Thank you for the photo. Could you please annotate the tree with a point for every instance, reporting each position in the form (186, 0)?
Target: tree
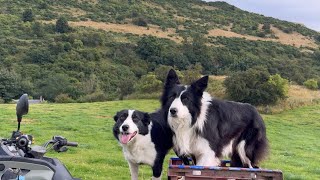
(125, 87)
(62, 25)
(256, 86)
(9, 85)
(27, 15)
(149, 46)
(53, 85)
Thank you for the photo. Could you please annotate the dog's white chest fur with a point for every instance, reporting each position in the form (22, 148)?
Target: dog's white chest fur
(141, 151)
(187, 142)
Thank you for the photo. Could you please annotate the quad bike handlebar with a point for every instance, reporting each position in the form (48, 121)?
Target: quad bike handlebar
(59, 143)
(19, 159)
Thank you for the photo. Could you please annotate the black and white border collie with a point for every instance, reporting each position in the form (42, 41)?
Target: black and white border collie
(145, 139)
(209, 129)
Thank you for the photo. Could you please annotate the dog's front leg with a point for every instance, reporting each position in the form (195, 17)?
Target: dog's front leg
(184, 158)
(157, 167)
(134, 170)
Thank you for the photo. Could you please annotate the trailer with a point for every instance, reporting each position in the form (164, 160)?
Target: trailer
(178, 171)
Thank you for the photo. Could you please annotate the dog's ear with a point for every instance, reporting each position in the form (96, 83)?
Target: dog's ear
(115, 117)
(201, 84)
(172, 78)
(146, 119)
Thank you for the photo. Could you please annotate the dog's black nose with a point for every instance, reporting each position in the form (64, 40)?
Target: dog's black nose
(125, 127)
(173, 111)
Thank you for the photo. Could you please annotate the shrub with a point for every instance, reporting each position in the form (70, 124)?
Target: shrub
(311, 84)
(63, 98)
(256, 86)
(27, 15)
(140, 21)
(97, 96)
(192, 73)
(92, 39)
(216, 88)
(53, 85)
(67, 46)
(281, 85)
(77, 44)
(148, 83)
(62, 25)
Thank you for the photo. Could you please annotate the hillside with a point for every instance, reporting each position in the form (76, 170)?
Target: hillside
(111, 45)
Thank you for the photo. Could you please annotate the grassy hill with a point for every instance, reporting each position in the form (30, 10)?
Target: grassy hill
(111, 45)
(293, 137)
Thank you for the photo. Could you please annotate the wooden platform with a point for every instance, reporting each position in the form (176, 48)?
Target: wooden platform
(178, 171)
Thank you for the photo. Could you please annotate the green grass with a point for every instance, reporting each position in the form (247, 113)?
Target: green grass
(293, 135)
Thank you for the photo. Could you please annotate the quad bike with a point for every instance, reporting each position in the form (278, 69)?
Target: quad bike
(19, 160)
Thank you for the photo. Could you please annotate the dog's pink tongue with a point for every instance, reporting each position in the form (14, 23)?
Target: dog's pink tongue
(125, 138)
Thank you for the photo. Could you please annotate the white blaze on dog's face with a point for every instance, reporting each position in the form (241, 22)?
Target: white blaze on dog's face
(128, 124)
(179, 114)
(128, 129)
(182, 102)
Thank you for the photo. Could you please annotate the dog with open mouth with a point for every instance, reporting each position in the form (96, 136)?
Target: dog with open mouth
(145, 139)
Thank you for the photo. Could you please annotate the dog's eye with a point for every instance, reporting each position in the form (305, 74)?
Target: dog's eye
(172, 96)
(122, 118)
(135, 119)
(184, 99)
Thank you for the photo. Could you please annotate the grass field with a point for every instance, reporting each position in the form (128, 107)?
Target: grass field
(293, 135)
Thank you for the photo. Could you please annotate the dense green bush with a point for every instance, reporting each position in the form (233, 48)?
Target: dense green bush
(256, 86)
(97, 96)
(27, 15)
(53, 85)
(63, 98)
(281, 86)
(148, 84)
(62, 25)
(192, 74)
(311, 84)
(140, 21)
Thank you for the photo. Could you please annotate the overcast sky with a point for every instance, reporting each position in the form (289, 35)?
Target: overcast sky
(306, 12)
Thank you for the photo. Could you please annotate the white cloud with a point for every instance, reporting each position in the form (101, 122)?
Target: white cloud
(306, 12)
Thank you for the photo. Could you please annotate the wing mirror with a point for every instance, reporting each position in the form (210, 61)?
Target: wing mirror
(22, 108)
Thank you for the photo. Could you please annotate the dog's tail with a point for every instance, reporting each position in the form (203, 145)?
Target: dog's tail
(258, 147)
